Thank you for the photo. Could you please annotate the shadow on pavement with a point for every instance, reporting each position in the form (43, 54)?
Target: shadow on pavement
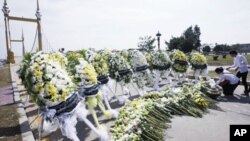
(235, 98)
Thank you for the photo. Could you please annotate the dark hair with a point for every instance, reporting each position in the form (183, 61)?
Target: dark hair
(219, 70)
(234, 52)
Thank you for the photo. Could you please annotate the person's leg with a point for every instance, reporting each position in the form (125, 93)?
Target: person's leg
(244, 81)
(230, 89)
(227, 89)
(234, 87)
(238, 74)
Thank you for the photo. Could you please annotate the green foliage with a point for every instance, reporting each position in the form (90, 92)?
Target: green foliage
(146, 43)
(206, 49)
(188, 41)
(221, 48)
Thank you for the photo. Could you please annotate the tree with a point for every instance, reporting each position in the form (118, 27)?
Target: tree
(146, 43)
(188, 41)
(175, 43)
(236, 47)
(221, 48)
(206, 49)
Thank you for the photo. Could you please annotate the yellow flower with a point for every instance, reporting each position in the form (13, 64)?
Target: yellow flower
(38, 87)
(49, 58)
(37, 68)
(90, 72)
(51, 89)
(38, 74)
(64, 94)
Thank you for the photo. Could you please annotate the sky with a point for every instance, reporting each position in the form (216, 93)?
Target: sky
(118, 24)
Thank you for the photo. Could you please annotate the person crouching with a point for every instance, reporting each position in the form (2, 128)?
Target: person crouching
(227, 81)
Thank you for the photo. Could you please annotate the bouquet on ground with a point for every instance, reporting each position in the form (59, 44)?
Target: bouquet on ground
(119, 68)
(160, 60)
(180, 63)
(210, 88)
(198, 61)
(139, 119)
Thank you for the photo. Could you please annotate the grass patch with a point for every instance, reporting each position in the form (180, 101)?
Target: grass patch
(222, 61)
(5, 78)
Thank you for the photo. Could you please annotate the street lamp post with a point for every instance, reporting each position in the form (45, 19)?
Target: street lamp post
(158, 35)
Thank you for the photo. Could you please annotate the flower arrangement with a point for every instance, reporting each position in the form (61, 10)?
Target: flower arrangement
(86, 77)
(85, 74)
(119, 68)
(210, 89)
(125, 54)
(140, 67)
(73, 60)
(148, 57)
(100, 65)
(160, 60)
(198, 60)
(48, 80)
(105, 53)
(138, 61)
(180, 61)
(24, 65)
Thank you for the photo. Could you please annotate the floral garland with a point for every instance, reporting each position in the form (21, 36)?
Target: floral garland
(89, 55)
(100, 65)
(48, 80)
(198, 60)
(105, 53)
(24, 65)
(119, 68)
(125, 54)
(138, 60)
(140, 66)
(160, 60)
(73, 60)
(180, 61)
(85, 74)
(148, 57)
(86, 77)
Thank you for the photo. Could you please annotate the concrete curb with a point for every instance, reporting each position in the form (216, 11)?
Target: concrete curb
(26, 132)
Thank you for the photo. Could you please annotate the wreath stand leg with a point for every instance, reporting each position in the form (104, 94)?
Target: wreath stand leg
(109, 87)
(167, 73)
(125, 91)
(196, 75)
(82, 115)
(68, 128)
(157, 80)
(107, 113)
(105, 96)
(205, 73)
